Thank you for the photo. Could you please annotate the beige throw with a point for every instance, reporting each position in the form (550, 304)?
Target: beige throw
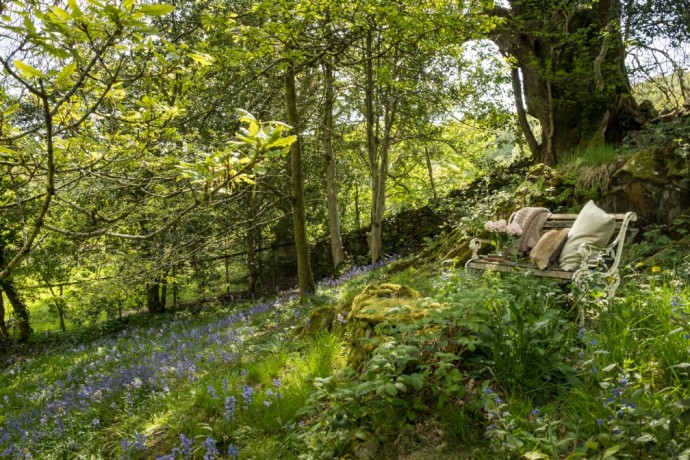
(531, 220)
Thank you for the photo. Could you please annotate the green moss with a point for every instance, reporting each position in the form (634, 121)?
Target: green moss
(645, 165)
(381, 303)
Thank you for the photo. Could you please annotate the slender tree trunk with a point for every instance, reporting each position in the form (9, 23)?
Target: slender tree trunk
(164, 291)
(377, 149)
(299, 221)
(175, 286)
(57, 300)
(430, 170)
(337, 251)
(3, 326)
(253, 241)
(374, 238)
(532, 142)
(358, 214)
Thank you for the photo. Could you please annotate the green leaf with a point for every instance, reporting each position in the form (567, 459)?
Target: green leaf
(390, 389)
(29, 25)
(156, 10)
(645, 438)
(202, 59)
(66, 72)
(4, 151)
(282, 142)
(10, 110)
(611, 451)
(76, 11)
(364, 388)
(26, 70)
(534, 455)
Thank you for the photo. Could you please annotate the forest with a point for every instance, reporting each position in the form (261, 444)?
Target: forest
(240, 229)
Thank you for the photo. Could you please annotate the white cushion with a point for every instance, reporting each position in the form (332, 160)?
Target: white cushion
(593, 226)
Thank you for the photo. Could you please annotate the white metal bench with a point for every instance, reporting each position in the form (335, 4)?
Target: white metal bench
(602, 261)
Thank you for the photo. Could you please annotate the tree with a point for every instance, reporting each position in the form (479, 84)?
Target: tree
(569, 63)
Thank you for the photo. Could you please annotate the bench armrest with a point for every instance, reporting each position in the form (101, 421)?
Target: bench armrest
(475, 246)
(614, 250)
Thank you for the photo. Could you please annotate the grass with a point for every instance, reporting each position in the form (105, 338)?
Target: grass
(240, 377)
(592, 156)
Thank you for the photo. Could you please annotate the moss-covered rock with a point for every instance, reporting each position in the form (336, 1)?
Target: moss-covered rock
(377, 304)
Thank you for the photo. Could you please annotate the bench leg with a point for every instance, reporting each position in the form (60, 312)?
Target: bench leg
(582, 280)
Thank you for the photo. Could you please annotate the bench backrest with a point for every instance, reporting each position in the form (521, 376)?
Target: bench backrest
(617, 240)
(567, 220)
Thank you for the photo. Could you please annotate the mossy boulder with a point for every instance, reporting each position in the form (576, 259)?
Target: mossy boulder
(377, 304)
(653, 183)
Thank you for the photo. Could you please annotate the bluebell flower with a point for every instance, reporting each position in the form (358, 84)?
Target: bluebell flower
(276, 382)
(536, 412)
(488, 391)
(230, 405)
(247, 393)
(211, 449)
(186, 446)
(139, 442)
(600, 421)
(233, 451)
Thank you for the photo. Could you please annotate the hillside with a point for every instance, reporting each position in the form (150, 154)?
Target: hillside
(413, 358)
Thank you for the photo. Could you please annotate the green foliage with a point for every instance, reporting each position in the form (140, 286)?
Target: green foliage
(529, 339)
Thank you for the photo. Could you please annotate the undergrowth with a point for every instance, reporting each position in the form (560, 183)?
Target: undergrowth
(495, 369)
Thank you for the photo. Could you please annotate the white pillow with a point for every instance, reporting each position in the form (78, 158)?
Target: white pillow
(592, 226)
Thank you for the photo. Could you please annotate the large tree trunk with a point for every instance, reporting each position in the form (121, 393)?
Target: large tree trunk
(574, 79)
(337, 251)
(299, 220)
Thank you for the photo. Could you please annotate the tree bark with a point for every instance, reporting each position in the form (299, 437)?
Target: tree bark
(19, 307)
(337, 251)
(377, 148)
(154, 301)
(299, 221)
(59, 307)
(253, 240)
(573, 73)
(3, 326)
(430, 170)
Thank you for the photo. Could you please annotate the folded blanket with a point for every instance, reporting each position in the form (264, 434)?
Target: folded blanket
(531, 220)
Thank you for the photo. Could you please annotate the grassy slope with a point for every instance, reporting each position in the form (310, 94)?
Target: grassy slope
(240, 376)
